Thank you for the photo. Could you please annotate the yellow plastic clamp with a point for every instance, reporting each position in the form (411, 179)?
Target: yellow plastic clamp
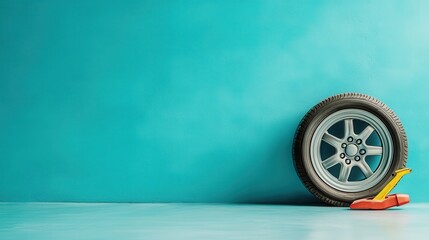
(392, 183)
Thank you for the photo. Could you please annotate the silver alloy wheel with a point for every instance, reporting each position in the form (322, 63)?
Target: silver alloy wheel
(352, 150)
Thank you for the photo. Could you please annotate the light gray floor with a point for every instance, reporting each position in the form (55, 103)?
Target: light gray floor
(207, 221)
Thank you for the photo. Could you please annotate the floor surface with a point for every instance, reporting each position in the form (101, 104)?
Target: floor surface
(207, 221)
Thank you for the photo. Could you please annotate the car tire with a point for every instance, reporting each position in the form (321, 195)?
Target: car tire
(348, 147)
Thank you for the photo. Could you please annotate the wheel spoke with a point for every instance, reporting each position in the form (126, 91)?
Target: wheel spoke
(374, 150)
(365, 169)
(348, 127)
(331, 139)
(366, 133)
(331, 161)
(344, 173)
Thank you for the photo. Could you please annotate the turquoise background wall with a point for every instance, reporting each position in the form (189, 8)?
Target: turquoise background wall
(193, 101)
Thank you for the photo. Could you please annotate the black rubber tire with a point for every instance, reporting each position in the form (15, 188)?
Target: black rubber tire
(308, 125)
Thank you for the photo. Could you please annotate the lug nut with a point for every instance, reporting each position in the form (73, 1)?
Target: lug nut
(359, 141)
(342, 155)
(349, 139)
(362, 151)
(343, 145)
(348, 161)
(357, 158)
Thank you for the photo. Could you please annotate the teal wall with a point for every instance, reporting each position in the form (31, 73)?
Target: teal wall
(193, 101)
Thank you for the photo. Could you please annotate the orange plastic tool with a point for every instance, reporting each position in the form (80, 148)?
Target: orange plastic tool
(392, 200)
(382, 200)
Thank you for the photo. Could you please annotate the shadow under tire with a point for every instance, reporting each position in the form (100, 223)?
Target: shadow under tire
(348, 147)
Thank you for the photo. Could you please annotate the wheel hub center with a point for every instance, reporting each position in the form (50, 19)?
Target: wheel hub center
(351, 149)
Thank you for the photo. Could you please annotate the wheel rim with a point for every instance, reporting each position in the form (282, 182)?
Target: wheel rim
(353, 152)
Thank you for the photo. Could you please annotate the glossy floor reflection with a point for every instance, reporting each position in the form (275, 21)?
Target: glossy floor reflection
(207, 221)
